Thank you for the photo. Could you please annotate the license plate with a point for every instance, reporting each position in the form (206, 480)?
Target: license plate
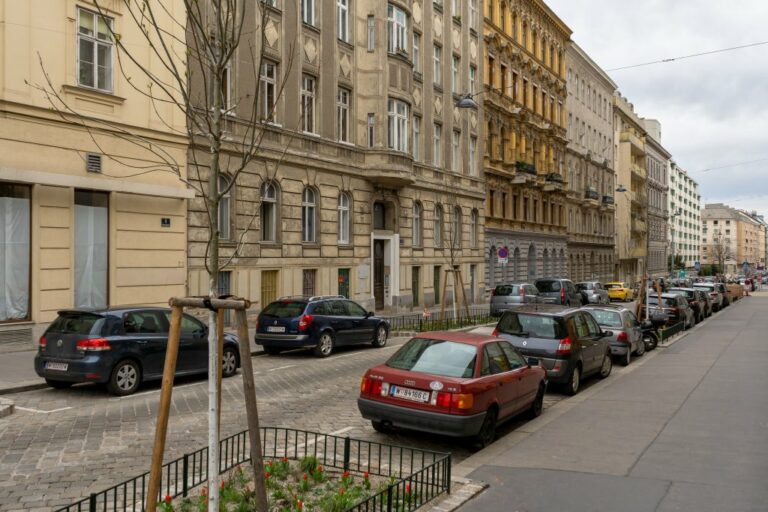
(410, 394)
(276, 328)
(61, 367)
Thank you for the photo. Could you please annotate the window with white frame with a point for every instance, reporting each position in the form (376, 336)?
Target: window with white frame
(308, 96)
(308, 212)
(270, 3)
(474, 222)
(472, 80)
(269, 213)
(397, 23)
(308, 12)
(342, 20)
(456, 8)
(472, 14)
(343, 209)
(268, 91)
(456, 227)
(371, 36)
(342, 114)
(226, 89)
(455, 65)
(456, 151)
(94, 50)
(417, 53)
(472, 156)
(437, 144)
(416, 143)
(437, 66)
(438, 227)
(370, 128)
(225, 209)
(417, 224)
(397, 134)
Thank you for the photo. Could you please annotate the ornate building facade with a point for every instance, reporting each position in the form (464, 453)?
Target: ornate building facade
(371, 185)
(591, 177)
(656, 164)
(524, 99)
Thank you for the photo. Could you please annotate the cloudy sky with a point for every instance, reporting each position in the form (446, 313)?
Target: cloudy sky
(713, 109)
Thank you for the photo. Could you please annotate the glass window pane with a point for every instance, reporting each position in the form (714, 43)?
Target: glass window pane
(86, 23)
(86, 56)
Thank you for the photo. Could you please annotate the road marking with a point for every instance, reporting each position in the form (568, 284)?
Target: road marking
(341, 431)
(281, 368)
(335, 433)
(40, 411)
(150, 391)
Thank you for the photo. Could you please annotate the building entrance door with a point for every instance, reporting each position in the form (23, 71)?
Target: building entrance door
(378, 273)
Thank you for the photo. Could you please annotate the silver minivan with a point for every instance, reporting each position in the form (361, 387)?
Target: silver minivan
(508, 296)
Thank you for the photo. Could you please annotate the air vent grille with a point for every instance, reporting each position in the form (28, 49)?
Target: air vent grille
(92, 162)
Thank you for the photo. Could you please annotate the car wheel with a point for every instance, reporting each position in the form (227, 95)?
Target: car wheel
(487, 432)
(125, 378)
(650, 341)
(228, 362)
(380, 426)
(538, 404)
(574, 382)
(605, 369)
(381, 337)
(58, 384)
(627, 358)
(640, 351)
(272, 351)
(324, 346)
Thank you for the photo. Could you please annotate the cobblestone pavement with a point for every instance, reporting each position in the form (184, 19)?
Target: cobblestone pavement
(61, 445)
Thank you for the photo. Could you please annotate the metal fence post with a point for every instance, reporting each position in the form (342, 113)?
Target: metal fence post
(92, 502)
(389, 499)
(448, 463)
(347, 447)
(185, 471)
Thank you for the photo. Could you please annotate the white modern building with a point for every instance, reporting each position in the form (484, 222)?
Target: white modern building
(685, 228)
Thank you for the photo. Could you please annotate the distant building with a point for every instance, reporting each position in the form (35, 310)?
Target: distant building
(731, 239)
(684, 229)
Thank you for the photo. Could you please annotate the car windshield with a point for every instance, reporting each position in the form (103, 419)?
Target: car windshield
(548, 286)
(685, 293)
(584, 286)
(538, 326)
(285, 309)
(506, 290)
(437, 357)
(77, 323)
(607, 318)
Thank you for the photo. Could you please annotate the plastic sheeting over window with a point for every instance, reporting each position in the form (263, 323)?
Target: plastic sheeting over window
(91, 249)
(14, 252)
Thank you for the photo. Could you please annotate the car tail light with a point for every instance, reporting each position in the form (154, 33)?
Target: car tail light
(622, 337)
(304, 322)
(562, 295)
(495, 331)
(493, 292)
(564, 347)
(522, 291)
(43, 342)
(93, 345)
(441, 399)
(373, 387)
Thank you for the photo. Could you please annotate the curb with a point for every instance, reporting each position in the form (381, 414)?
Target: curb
(6, 407)
(463, 491)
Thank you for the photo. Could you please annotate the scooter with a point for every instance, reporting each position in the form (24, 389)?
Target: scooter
(650, 329)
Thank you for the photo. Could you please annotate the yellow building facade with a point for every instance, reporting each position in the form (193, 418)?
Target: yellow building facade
(88, 216)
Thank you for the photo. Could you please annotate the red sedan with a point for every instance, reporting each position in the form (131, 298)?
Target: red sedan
(452, 383)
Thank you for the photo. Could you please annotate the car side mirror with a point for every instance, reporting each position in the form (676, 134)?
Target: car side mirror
(606, 334)
(533, 361)
(368, 314)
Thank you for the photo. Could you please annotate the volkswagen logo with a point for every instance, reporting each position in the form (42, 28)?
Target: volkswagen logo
(59, 343)
(274, 323)
(525, 343)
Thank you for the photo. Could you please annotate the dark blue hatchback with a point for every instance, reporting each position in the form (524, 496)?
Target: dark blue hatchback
(320, 323)
(123, 347)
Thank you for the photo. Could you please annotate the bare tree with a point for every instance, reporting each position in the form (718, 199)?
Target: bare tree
(450, 240)
(196, 48)
(720, 250)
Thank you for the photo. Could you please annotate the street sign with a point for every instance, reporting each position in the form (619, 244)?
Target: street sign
(697, 266)
(745, 267)
(503, 255)
(681, 274)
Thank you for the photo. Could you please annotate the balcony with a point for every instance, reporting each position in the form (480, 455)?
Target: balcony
(553, 182)
(639, 172)
(640, 198)
(608, 200)
(637, 143)
(389, 169)
(639, 225)
(591, 193)
(524, 173)
(525, 168)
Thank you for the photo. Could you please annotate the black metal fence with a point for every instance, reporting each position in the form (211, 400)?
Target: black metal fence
(419, 475)
(667, 332)
(433, 321)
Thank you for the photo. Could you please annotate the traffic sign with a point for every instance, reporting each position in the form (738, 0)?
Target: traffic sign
(503, 255)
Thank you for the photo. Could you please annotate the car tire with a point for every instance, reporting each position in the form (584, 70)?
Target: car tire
(380, 337)
(606, 367)
(537, 407)
(627, 358)
(229, 362)
(574, 382)
(59, 384)
(487, 433)
(125, 378)
(324, 346)
(640, 351)
(650, 340)
(272, 351)
(380, 426)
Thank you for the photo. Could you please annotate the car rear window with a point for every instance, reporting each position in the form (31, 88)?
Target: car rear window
(285, 309)
(506, 290)
(437, 357)
(584, 286)
(668, 302)
(77, 323)
(538, 326)
(614, 286)
(690, 294)
(548, 286)
(607, 318)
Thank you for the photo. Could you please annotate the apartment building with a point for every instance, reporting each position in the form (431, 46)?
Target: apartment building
(656, 163)
(685, 228)
(731, 239)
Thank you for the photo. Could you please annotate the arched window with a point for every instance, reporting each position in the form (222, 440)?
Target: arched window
(456, 227)
(269, 213)
(474, 221)
(344, 219)
(308, 212)
(438, 226)
(225, 210)
(417, 223)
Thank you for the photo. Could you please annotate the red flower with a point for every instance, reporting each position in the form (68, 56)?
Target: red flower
(305, 477)
(365, 475)
(407, 488)
(320, 468)
(346, 474)
(168, 498)
(299, 505)
(285, 459)
(222, 486)
(341, 491)
(204, 491)
(267, 474)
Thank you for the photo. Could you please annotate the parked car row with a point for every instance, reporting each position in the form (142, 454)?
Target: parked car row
(550, 291)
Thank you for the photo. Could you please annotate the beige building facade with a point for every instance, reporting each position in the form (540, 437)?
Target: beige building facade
(591, 177)
(656, 165)
(81, 223)
(524, 99)
(732, 239)
(370, 186)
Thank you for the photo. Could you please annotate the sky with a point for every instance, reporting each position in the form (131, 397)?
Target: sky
(713, 109)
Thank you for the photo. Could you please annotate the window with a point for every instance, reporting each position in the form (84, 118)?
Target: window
(472, 80)
(437, 67)
(474, 222)
(270, 3)
(397, 125)
(91, 248)
(94, 51)
(456, 8)
(472, 156)
(371, 29)
(503, 73)
(397, 25)
(416, 53)
(456, 227)
(343, 210)
(472, 14)
(417, 223)
(269, 213)
(371, 124)
(268, 85)
(308, 11)
(438, 235)
(308, 208)
(456, 151)
(343, 278)
(309, 276)
(416, 143)
(342, 19)
(226, 90)
(14, 252)
(437, 144)
(342, 115)
(308, 93)
(455, 74)
(225, 209)
(491, 69)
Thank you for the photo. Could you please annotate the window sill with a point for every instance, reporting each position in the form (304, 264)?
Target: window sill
(93, 94)
(345, 44)
(313, 28)
(9, 324)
